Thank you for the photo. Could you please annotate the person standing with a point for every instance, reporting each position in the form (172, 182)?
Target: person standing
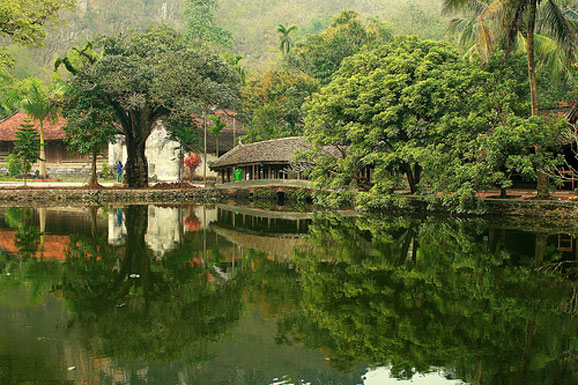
(119, 171)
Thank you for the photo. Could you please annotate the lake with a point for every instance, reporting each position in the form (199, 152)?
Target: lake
(237, 295)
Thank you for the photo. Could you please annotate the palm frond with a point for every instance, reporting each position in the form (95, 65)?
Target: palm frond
(553, 22)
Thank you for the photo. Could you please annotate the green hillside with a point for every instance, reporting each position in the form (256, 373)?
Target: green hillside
(253, 24)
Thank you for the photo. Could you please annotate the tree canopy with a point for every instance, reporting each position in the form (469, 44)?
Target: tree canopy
(23, 21)
(320, 55)
(400, 109)
(143, 77)
(272, 104)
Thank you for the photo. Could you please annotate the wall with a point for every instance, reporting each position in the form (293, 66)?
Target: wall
(162, 154)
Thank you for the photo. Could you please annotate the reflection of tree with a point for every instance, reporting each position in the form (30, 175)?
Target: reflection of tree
(143, 310)
(430, 294)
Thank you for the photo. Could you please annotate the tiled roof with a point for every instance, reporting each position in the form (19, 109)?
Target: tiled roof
(9, 126)
(269, 151)
(54, 247)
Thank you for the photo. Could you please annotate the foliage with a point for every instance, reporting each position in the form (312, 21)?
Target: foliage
(419, 294)
(285, 41)
(257, 41)
(27, 146)
(216, 129)
(107, 172)
(146, 76)
(192, 162)
(416, 108)
(202, 25)
(14, 165)
(380, 112)
(272, 104)
(320, 55)
(32, 97)
(23, 21)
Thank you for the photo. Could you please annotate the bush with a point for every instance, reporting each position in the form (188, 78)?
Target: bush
(106, 171)
(14, 165)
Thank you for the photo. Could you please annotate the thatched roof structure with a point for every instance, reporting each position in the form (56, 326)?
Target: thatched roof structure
(276, 151)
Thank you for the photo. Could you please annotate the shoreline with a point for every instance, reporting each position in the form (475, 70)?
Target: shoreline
(554, 210)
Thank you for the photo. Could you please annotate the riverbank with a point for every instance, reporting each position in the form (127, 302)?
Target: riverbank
(557, 210)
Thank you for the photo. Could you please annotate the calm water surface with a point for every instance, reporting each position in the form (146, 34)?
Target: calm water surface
(231, 295)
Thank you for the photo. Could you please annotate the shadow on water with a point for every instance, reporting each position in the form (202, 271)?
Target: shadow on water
(233, 295)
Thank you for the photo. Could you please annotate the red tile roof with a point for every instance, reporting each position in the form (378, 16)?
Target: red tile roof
(9, 126)
(54, 245)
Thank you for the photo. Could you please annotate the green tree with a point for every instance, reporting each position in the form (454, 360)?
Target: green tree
(416, 109)
(505, 20)
(217, 128)
(89, 120)
(272, 104)
(380, 112)
(285, 41)
(320, 55)
(27, 147)
(23, 21)
(147, 76)
(32, 97)
(202, 25)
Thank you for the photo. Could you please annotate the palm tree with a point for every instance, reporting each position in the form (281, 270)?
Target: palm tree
(216, 129)
(35, 99)
(284, 38)
(527, 21)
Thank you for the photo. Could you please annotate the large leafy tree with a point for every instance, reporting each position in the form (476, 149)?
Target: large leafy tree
(23, 21)
(146, 76)
(507, 21)
(272, 103)
(416, 109)
(89, 121)
(321, 55)
(380, 112)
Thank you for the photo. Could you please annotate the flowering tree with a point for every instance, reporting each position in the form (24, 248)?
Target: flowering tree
(192, 162)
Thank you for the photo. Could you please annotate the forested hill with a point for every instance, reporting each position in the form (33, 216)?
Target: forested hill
(253, 24)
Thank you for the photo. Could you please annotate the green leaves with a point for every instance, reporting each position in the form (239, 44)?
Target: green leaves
(272, 103)
(321, 55)
(23, 21)
(142, 77)
(202, 25)
(27, 146)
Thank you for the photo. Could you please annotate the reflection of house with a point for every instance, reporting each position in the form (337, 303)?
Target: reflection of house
(59, 161)
(276, 233)
(270, 159)
(162, 152)
(52, 247)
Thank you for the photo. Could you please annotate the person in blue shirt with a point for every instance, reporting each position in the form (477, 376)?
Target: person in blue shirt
(119, 171)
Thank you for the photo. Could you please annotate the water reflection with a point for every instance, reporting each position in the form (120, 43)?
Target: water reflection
(236, 295)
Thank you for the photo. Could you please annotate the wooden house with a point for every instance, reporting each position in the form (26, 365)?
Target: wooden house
(59, 160)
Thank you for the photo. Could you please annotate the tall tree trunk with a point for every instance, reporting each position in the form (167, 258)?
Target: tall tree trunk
(542, 180)
(530, 51)
(93, 178)
(42, 152)
(136, 164)
(413, 176)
